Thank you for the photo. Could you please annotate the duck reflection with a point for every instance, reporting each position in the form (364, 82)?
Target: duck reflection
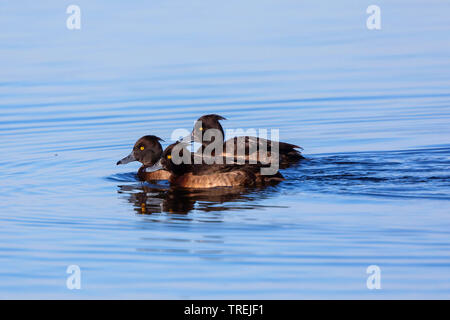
(147, 199)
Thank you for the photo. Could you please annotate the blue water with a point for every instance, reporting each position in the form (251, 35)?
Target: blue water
(370, 108)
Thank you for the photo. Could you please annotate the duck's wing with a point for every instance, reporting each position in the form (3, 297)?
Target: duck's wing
(253, 144)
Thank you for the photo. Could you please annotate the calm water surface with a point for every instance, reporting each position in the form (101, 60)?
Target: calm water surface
(370, 108)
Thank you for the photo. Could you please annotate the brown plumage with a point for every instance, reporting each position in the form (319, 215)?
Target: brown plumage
(287, 153)
(149, 176)
(191, 175)
(220, 179)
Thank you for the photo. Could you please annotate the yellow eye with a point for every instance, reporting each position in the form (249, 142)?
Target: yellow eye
(169, 157)
(201, 129)
(142, 148)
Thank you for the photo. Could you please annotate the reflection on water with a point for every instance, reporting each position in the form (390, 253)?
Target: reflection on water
(148, 199)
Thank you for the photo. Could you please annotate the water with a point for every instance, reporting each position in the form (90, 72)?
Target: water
(370, 108)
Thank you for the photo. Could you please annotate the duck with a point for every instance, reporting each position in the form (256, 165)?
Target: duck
(184, 172)
(147, 150)
(287, 152)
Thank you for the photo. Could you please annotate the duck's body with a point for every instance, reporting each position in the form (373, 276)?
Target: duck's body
(189, 175)
(221, 179)
(245, 148)
(248, 149)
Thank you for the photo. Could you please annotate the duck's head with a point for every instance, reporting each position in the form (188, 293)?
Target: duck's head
(176, 158)
(204, 123)
(147, 150)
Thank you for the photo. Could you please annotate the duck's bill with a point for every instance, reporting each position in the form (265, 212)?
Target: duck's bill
(157, 166)
(189, 138)
(127, 159)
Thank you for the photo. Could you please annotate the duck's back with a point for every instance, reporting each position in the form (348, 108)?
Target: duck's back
(248, 148)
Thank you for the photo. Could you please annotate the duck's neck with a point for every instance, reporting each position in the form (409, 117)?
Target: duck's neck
(207, 143)
(141, 172)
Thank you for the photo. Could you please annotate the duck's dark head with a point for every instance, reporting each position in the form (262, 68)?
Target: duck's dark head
(147, 150)
(203, 124)
(176, 158)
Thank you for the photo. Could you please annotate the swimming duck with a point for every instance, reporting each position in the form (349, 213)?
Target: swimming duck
(287, 152)
(147, 150)
(193, 175)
